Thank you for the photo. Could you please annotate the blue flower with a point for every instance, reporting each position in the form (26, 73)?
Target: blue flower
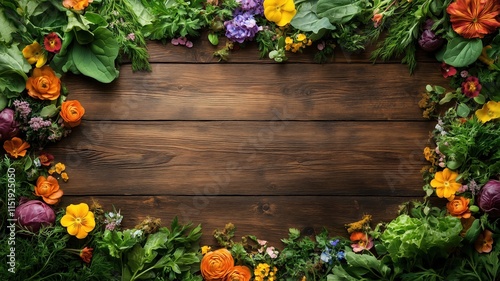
(334, 242)
(326, 256)
(341, 255)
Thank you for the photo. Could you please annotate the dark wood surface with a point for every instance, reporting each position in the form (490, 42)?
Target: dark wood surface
(263, 145)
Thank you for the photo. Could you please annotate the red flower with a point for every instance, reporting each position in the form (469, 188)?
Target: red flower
(474, 18)
(447, 70)
(45, 159)
(86, 254)
(52, 42)
(471, 87)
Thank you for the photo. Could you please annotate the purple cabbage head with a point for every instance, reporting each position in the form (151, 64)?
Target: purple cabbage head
(428, 40)
(8, 124)
(489, 198)
(33, 214)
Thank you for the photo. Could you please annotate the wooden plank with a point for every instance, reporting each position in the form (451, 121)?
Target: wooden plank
(257, 92)
(245, 158)
(267, 217)
(203, 52)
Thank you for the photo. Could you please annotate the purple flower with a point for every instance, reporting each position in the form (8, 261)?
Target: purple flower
(22, 108)
(241, 28)
(37, 123)
(8, 124)
(254, 7)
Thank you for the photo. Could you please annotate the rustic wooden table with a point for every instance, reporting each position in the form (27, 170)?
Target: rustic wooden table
(263, 145)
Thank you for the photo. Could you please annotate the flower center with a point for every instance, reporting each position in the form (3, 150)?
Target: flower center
(472, 87)
(446, 184)
(78, 220)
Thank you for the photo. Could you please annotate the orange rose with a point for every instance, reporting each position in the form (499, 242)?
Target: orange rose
(459, 207)
(44, 84)
(72, 112)
(239, 273)
(216, 265)
(48, 189)
(76, 4)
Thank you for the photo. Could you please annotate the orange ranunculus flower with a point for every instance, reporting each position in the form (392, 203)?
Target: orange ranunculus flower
(474, 18)
(445, 184)
(239, 273)
(72, 112)
(459, 207)
(48, 189)
(216, 265)
(34, 53)
(77, 5)
(44, 84)
(484, 242)
(78, 220)
(16, 147)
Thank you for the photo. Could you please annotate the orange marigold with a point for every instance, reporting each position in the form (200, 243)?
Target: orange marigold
(474, 18)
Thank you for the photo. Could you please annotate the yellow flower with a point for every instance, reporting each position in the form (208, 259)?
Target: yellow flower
(205, 249)
(60, 167)
(288, 40)
(491, 110)
(34, 54)
(445, 184)
(301, 37)
(65, 176)
(279, 11)
(78, 220)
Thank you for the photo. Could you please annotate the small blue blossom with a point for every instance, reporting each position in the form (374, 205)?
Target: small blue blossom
(341, 255)
(334, 242)
(326, 257)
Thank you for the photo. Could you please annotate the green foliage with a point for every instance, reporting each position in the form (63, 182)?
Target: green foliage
(339, 11)
(169, 253)
(13, 69)
(174, 18)
(472, 148)
(462, 52)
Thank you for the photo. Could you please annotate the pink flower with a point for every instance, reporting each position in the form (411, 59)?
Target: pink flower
(361, 241)
(271, 251)
(447, 70)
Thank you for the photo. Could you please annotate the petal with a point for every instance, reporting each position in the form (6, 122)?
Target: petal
(50, 201)
(73, 229)
(67, 220)
(289, 6)
(436, 184)
(482, 114)
(79, 211)
(81, 233)
(286, 17)
(440, 192)
(272, 14)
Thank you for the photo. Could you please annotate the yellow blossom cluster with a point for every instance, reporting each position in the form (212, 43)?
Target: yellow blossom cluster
(59, 169)
(297, 42)
(263, 272)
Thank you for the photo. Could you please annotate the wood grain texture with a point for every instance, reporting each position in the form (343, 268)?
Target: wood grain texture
(257, 92)
(268, 217)
(203, 51)
(263, 145)
(245, 158)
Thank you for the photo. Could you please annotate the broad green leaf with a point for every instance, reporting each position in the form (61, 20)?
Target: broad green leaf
(307, 20)
(3, 102)
(480, 99)
(12, 60)
(76, 21)
(144, 17)
(338, 11)
(213, 38)
(154, 242)
(136, 258)
(97, 59)
(49, 111)
(463, 110)
(461, 52)
(96, 19)
(7, 28)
